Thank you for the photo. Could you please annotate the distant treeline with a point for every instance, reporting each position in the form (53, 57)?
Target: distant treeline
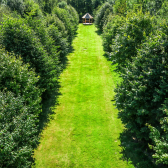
(34, 41)
(135, 39)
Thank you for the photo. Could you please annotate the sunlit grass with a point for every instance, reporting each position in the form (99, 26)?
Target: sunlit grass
(85, 129)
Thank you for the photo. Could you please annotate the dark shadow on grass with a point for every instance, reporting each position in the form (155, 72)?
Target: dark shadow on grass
(76, 33)
(107, 57)
(99, 32)
(51, 102)
(64, 60)
(71, 50)
(46, 115)
(136, 152)
(47, 109)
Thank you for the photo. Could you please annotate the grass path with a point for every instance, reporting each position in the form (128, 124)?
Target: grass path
(84, 130)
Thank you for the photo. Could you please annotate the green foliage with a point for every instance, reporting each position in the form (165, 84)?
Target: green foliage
(110, 30)
(16, 78)
(131, 4)
(19, 109)
(120, 7)
(152, 6)
(62, 4)
(32, 9)
(53, 19)
(39, 26)
(160, 137)
(69, 21)
(56, 30)
(19, 38)
(24, 7)
(75, 16)
(102, 14)
(3, 12)
(18, 131)
(47, 5)
(163, 11)
(59, 41)
(96, 3)
(16, 5)
(141, 95)
(129, 38)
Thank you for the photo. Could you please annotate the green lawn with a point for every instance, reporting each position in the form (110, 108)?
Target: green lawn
(84, 131)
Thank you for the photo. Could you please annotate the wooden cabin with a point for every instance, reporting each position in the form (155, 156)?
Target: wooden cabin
(87, 19)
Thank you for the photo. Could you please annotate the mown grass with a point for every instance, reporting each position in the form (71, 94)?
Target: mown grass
(84, 131)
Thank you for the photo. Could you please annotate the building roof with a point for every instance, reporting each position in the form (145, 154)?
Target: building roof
(87, 16)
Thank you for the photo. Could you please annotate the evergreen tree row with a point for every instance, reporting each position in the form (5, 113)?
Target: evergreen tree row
(34, 42)
(135, 36)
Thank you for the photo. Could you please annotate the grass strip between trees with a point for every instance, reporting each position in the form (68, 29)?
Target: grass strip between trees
(84, 130)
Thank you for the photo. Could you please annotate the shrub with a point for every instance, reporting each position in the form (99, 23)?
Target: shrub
(46, 40)
(129, 38)
(163, 11)
(16, 77)
(66, 18)
(75, 16)
(32, 9)
(53, 19)
(18, 133)
(24, 7)
(102, 15)
(159, 137)
(59, 41)
(16, 5)
(62, 4)
(143, 92)
(4, 10)
(48, 5)
(110, 30)
(120, 7)
(20, 106)
(19, 38)
(152, 6)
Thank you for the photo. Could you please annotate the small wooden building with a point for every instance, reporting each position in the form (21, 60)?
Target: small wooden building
(87, 19)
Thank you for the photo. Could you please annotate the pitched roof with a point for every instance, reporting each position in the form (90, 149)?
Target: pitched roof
(87, 16)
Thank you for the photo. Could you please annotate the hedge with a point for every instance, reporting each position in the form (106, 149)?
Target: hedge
(20, 105)
(19, 38)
